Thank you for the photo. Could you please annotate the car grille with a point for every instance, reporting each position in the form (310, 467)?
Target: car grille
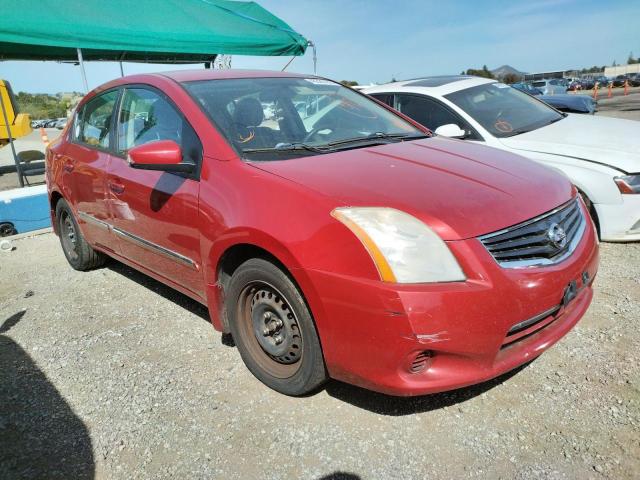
(544, 240)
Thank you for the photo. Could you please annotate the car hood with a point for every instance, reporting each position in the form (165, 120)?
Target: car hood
(460, 189)
(610, 141)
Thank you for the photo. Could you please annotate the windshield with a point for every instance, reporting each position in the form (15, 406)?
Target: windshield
(502, 110)
(269, 118)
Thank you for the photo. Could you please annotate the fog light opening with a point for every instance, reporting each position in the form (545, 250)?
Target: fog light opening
(421, 361)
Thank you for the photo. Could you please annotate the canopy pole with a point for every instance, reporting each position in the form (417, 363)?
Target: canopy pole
(315, 57)
(288, 63)
(84, 75)
(121, 70)
(13, 147)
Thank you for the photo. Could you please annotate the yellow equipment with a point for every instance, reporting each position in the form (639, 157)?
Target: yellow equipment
(19, 123)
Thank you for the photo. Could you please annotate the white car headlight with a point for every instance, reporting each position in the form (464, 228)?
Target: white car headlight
(403, 248)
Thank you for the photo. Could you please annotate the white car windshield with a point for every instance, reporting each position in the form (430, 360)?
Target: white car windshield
(502, 110)
(284, 117)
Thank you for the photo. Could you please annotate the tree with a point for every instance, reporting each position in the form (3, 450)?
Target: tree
(41, 105)
(631, 60)
(349, 83)
(510, 78)
(483, 72)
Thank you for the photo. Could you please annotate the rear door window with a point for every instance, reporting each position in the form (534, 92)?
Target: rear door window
(94, 127)
(384, 98)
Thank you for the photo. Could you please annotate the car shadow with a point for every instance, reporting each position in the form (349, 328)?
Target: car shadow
(398, 406)
(340, 476)
(159, 288)
(40, 435)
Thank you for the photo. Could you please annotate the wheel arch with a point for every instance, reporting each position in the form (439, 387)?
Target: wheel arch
(54, 197)
(225, 260)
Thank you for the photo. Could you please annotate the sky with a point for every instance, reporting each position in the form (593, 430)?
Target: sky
(377, 40)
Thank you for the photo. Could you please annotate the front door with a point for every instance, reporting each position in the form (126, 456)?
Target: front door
(155, 214)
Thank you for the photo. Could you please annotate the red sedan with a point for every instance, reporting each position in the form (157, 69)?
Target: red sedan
(329, 234)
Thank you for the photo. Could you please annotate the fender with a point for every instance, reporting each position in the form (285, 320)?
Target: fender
(255, 238)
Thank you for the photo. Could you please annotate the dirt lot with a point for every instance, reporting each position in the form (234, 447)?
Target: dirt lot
(109, 374)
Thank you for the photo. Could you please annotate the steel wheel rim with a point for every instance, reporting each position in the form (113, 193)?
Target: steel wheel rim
(68, 235)
(280, 359)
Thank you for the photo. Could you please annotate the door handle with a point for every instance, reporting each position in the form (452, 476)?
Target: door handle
(116, 188)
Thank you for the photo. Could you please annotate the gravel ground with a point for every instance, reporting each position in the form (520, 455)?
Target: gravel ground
(109, 374)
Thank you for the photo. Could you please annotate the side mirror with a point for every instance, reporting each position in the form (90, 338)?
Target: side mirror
(163, 155)
(450, 130)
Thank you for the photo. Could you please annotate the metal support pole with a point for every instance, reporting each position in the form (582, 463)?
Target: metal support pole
(288, 63)
(84, 75)
(13, 147)
(315, 57)
(121, 70)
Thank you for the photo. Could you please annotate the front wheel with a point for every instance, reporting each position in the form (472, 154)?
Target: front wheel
(273, 329)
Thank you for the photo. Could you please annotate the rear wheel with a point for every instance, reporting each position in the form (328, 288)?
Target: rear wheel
(273, 329)
(78, 252)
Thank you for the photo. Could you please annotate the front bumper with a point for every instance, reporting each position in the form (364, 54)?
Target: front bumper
(620, 222)
(372, 331)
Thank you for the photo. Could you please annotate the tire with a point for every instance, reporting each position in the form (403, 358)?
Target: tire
(265, 306)
(78, 252)
(592, 211)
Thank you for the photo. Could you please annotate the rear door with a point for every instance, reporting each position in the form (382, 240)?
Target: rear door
(85, 161)
(155, 213)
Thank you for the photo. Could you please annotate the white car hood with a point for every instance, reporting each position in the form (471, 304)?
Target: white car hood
(609, 141)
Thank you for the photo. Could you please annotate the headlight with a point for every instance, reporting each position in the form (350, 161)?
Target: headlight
(403, 248)
(628, 183)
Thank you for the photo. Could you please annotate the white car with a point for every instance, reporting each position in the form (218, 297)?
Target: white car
(600, 155)
(553, 86)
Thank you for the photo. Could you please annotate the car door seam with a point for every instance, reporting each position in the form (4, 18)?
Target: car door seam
(140, 241)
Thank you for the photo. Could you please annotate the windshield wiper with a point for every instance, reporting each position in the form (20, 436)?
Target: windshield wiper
(287, 147)
(331, 146)
(377, 136)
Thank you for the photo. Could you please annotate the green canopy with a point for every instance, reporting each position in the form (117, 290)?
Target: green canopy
(167, 31)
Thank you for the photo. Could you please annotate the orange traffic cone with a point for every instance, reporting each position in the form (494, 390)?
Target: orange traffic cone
(626, 87)
(610, 94)
(45, 137)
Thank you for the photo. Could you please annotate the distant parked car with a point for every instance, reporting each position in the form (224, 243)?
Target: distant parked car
(575, 85)
(527, 88)
(602, 81)
(634, 79)
(571, 103)
(587, 83)
(61, 123)
(600, 155)
(51, 123)
(619, 80)
(549, 87)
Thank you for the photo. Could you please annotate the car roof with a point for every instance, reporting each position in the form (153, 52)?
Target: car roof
(436, 85)
(212, 74)
(195, 75)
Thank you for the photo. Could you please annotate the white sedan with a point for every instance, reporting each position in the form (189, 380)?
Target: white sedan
(600, 155)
